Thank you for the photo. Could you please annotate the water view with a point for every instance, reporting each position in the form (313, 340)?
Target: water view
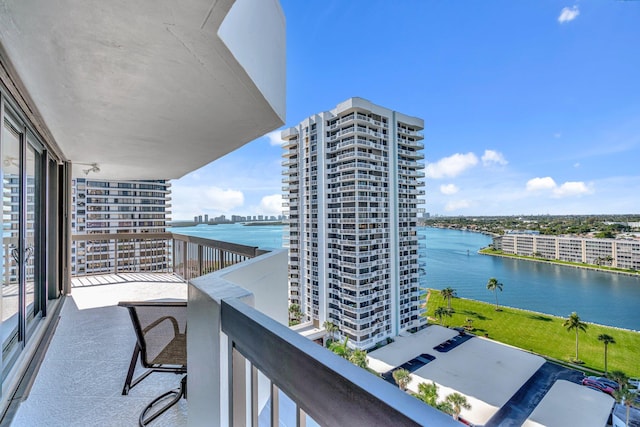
(452, 260)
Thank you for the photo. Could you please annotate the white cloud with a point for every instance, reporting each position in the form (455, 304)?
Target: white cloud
(491, 156)
(456, 205)
(569, 189)
(449, 189)
(188, 201)
(576, 165)
(274, 137)
(568, 14)
(452, 166)
(557, 135)
(271, 205)
(537, 184)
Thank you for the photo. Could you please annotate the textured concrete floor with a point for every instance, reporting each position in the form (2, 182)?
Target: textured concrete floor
(80, 380)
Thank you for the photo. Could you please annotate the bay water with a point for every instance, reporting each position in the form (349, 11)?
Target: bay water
(452, 260)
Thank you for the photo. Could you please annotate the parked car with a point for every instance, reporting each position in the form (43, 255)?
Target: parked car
(606, 381)
(635, 382)
(597, 384)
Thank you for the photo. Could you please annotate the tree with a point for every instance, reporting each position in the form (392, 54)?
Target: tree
(458, 403)
(448, 293)
(428, 393)
(330, 329)
(468, 324)
(574, 322)
(402, 377)
(295, 314)
(606, 340)
(619, 377)
(445, 407)
(441, 312)
(359, 358)
(340, 348)
(495, 286)
(625, 396)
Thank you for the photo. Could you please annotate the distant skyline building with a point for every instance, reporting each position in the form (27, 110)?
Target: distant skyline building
(352, 186)
(107, 207)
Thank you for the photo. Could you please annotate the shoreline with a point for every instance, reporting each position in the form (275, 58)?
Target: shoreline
(544, 334)
(486, 233)
(429, 290)
(547, 314)
(584, 267)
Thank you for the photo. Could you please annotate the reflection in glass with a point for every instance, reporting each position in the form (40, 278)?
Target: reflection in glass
(31, 229)
(10, 153)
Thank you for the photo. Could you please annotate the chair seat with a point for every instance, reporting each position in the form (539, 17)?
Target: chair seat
(174, 353)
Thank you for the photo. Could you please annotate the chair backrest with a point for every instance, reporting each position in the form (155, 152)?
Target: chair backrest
(161, 331)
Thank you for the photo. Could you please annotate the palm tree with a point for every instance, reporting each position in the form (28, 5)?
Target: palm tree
(359, 358)
(469, 324)
(402, 377)
(495, 286)
(448, 293)
(428, 393)
(574, 322)
(606, 339)
(295, 314)
(331, 329)
(619, 377)
(340, 348)
(625, 396)
(445, 407)
(458, 402)
(441, 312)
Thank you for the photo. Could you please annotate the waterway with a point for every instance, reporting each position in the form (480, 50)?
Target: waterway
(452, 260)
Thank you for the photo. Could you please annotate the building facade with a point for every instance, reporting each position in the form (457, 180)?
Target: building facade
(352, 186)
(619, 253)
(108, 207)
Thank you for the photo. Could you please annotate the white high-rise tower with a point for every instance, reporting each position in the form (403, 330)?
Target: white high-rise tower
(352, 186)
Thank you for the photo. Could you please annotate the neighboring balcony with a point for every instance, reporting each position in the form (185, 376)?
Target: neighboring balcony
(248, 367)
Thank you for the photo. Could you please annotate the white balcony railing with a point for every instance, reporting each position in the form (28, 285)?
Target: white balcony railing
(249, 363)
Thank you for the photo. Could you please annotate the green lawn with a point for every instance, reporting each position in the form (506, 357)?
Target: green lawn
(543, 334)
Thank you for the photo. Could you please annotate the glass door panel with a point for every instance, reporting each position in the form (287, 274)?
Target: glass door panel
(11, 182)
(31, 251)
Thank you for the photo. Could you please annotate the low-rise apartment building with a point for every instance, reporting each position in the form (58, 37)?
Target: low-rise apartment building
(619, 253)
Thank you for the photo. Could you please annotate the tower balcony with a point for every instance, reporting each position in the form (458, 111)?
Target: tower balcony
(237, 340)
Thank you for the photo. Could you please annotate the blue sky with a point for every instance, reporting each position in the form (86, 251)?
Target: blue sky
(529, 107)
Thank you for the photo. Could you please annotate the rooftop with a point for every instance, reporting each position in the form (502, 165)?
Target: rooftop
(502, 383)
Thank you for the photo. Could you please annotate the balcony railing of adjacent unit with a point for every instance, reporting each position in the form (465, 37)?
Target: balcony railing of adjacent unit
(186, 256)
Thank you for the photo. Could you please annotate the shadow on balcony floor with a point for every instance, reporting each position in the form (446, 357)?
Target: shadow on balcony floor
(80, 380)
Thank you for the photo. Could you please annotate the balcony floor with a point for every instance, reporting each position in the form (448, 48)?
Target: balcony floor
(80, 380)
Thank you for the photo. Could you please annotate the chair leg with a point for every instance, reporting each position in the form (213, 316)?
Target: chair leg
(132, 368)
(177, 395)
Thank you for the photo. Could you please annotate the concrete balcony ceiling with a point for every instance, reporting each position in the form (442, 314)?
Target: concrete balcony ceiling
(148, 89)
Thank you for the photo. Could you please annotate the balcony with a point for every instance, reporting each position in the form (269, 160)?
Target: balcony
(80, 380)
(237, 343)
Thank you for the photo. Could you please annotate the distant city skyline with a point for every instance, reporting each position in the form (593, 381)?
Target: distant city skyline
(203, 219)
(529, 108)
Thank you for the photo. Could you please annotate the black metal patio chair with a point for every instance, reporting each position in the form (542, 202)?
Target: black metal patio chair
(161, 346)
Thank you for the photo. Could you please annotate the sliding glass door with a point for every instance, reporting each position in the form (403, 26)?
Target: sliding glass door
(11, 182)
(23, 235)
